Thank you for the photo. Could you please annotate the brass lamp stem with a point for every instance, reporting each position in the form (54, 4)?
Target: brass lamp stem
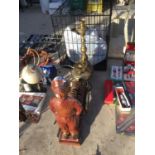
(82, 69)
(83, 46)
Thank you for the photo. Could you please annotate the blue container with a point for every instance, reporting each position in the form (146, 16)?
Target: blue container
(49, 71)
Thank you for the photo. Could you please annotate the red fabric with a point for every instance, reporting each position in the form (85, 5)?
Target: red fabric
(108, 92)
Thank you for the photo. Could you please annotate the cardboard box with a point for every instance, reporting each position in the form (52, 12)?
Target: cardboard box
(122, 99)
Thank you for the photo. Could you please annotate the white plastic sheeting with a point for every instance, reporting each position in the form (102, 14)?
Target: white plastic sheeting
(96, 46)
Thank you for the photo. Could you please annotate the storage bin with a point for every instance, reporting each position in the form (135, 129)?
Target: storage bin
(95, 6)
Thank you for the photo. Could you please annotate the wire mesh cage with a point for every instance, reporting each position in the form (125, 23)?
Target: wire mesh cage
(65, 24)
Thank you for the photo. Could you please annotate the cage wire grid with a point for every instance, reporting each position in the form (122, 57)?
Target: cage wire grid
(64, 17)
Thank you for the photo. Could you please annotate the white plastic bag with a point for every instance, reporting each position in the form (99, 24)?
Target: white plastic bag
(96, 46)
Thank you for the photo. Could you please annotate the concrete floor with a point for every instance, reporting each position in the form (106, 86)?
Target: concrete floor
(98, 133)
(32, 21)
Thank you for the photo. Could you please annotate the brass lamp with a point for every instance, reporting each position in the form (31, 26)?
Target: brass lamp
(83, 69)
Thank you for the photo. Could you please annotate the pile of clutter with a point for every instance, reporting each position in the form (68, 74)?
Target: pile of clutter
(122, 85)
(36, 72)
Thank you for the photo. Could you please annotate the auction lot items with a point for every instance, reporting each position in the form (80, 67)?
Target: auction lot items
(125, 121)
(123, 78)
(71, 96)
(32, 104)
(31, 79)
(123, 101)
(116, 73)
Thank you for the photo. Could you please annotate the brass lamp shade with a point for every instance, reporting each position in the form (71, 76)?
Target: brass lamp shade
(31, 74)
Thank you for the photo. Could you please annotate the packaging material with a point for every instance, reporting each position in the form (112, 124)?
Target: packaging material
(123, 101)
(116, 73)
(129, 73)
(96, 46)
(129, 87)
(129, 62)
(32, 104)
(129, 57)
(125, 122)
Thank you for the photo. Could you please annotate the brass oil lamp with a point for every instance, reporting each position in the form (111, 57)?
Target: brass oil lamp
(83, 69)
